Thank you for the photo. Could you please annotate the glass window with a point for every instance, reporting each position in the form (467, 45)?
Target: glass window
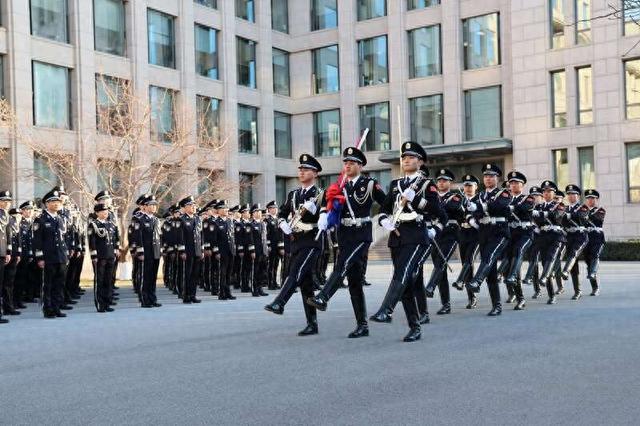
(427, 120)
(206, 51)
(281, 190)
(162, 102)
(631, 12)
(369, 9)
(583, 21)
(421, 4)
(44, 177)
(109, 26)
(424, 52)
(1, 77)
(208, 3)
(282, 134)
(245, 9)
(372, 61)
(49, 19)
(280, 72)
(208, 121)
(325, 180)
(326, 75)
(246, 52)
(481, 41)
(246, 187)
(587, 167)
(559, 99)
(326, 131)
(376, 118)
(483, 113)
(561, 168)
(557, 20)
(247, 129)
(632, 88)
(280, 15)
(161, 39)
(112, 107)
(51, 96)
(633, 171)
(324, 14)
(585, 90)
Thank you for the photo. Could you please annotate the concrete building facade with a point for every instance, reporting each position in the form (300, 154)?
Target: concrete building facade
(474, 81)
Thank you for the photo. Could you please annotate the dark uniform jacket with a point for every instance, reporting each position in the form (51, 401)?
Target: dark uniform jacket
(103, 239)
(225, 237)
(146, 233)
(191, 235)
(304, 233)
(26, 237)
(210, 234)
(493, 211)
(49, 238)
(359, 199)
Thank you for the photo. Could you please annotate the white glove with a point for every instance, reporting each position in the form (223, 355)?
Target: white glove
(409, 194)
(323, 223)
(568, 216)
(472, 207)
(310, 206)
(484, 207)
(285, 228)
(386, 224)
(432, 233)
(473, 223)
(535, 213)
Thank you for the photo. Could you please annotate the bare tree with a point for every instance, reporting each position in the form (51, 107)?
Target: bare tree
(183, 151)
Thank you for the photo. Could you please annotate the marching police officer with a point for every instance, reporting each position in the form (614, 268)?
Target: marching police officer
(548, 216)
(51, 253)
(402, 214)
(354, 235)
(491, 211)
(226, 250)
(595, 220)
(468, 241)
(532, 275)
(104, 245)
(574, 223)
(447, 239)
(304, 205)
(191, 250)
(147, 231)
(521, 207)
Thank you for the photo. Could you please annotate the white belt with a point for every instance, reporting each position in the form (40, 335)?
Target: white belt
(492, 220)
(466, 226)
(520, 224)
(576, 229)
(452, 222)
(357, 222)
(304, 227)
(554, 228)
(410, 217)
(594, 229)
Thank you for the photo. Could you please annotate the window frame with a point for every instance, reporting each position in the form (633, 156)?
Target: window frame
(629, 188)
(69, 96)
(174, 58)
(124, 35)
(465, 66)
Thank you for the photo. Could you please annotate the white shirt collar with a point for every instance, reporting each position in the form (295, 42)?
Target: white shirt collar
(52, 214)
(412, 176)
(354, 180)
(306, 188)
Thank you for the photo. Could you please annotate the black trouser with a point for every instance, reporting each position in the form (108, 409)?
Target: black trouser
(236, 275)
(26, 284)
(69, 282)
(300, 275)
(284, 270)
(447, 241)
(492, 243)
(149, 272)
(225, 266)
(166, 270)
(550, 250)
(78, 273)
(2, 265)
(207, 273)
(103, 282)
(468, 252)
(259, 273)
(521, 241)
(53, 286)
(592, 253)
(272, 273)
(349, 263)
(136, 274)
(189, 270)
(8, 285)
(407, 275)
(576, 243)
(419, 292)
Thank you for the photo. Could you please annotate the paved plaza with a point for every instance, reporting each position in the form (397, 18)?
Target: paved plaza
(234, 363)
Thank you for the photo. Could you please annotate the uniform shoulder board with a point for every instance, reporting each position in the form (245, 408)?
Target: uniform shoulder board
(505, 194)
(529, 199)
(456, 198)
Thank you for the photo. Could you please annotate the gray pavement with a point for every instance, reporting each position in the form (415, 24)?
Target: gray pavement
(233, 363)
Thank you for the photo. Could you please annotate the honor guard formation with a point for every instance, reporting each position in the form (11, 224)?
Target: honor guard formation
(221, 249)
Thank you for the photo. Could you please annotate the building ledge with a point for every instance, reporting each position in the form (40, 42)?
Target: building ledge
(450, 153)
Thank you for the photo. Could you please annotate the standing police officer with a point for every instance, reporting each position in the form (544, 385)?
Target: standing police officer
(25, 276)
(276, 251)
(5, 243)
(354, 238)
(149, 249)
(191, 249)
(52, 255)
(103, 247)
(262, 246)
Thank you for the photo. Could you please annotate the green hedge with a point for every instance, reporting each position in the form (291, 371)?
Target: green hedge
(621, 250)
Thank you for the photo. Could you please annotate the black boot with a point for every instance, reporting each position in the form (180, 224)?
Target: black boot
(309, 330)
(496, 310)
(312, 321)
(445, 309)
(473, 301)
(411, 311)
(576, 286)
(394, 292)
(459, 284)
(595, 287)
(360, 312)
(276, 307)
